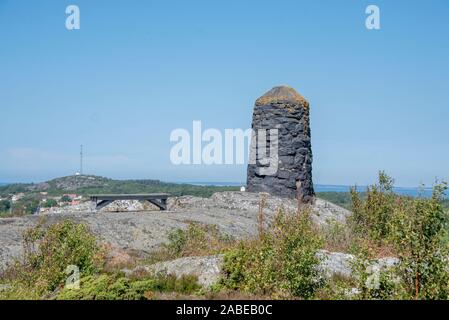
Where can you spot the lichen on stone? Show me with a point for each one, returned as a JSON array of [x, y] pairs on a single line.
[[282, 94]]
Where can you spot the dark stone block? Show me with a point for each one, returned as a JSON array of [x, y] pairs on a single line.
[[283, 174], [286, 160], [286, 151]]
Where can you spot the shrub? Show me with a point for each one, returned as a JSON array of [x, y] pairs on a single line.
[[49, 203], [338, 236], [282, 262], [198, 239], [373, 214], [372, 280], [48, 252], [420, 236], [66, 198], [417, 228], [115, 287], [5, 205]]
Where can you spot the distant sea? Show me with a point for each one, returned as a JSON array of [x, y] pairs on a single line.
[[215, 184], [427, 192]]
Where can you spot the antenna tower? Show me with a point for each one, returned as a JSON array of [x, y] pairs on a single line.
[[81, 160]]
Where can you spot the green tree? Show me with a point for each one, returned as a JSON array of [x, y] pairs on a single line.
[[5, 205], [66, 198], [49, 203]]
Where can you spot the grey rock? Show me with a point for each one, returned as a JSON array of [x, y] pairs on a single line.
[[4, 287], [337, 263], [141, 232], [207, 268]]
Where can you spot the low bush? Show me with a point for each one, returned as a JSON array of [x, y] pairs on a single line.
[[196, 240], [116, 287], [281, 263], [372, 214], [337, 236], [417, 229], [47, 254]]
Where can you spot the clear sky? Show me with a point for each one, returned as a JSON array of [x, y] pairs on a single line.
[[136, 70]]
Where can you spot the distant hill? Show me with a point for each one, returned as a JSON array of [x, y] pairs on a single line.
[[89, 184]]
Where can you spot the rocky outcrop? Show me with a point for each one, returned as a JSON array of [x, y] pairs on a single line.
[[116, 206], [11, 230], [338, 263], [207, 269], [70, 183], [245, 203], [79, 181], [286, 111], [141, 232]]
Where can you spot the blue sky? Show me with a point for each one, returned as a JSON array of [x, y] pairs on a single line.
[[136, 70]]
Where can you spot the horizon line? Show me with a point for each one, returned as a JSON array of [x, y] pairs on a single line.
[[219, 183]]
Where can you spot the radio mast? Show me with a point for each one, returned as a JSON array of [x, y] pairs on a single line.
[[81, 160]]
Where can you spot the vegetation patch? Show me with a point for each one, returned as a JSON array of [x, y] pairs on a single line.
[[196, 240], [282, 262], [116, 287], [417, 230], [47, 254]]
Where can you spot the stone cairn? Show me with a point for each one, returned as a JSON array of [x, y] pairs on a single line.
[[284, 109]]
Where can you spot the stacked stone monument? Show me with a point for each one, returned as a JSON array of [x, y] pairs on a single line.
[[284, 109]]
